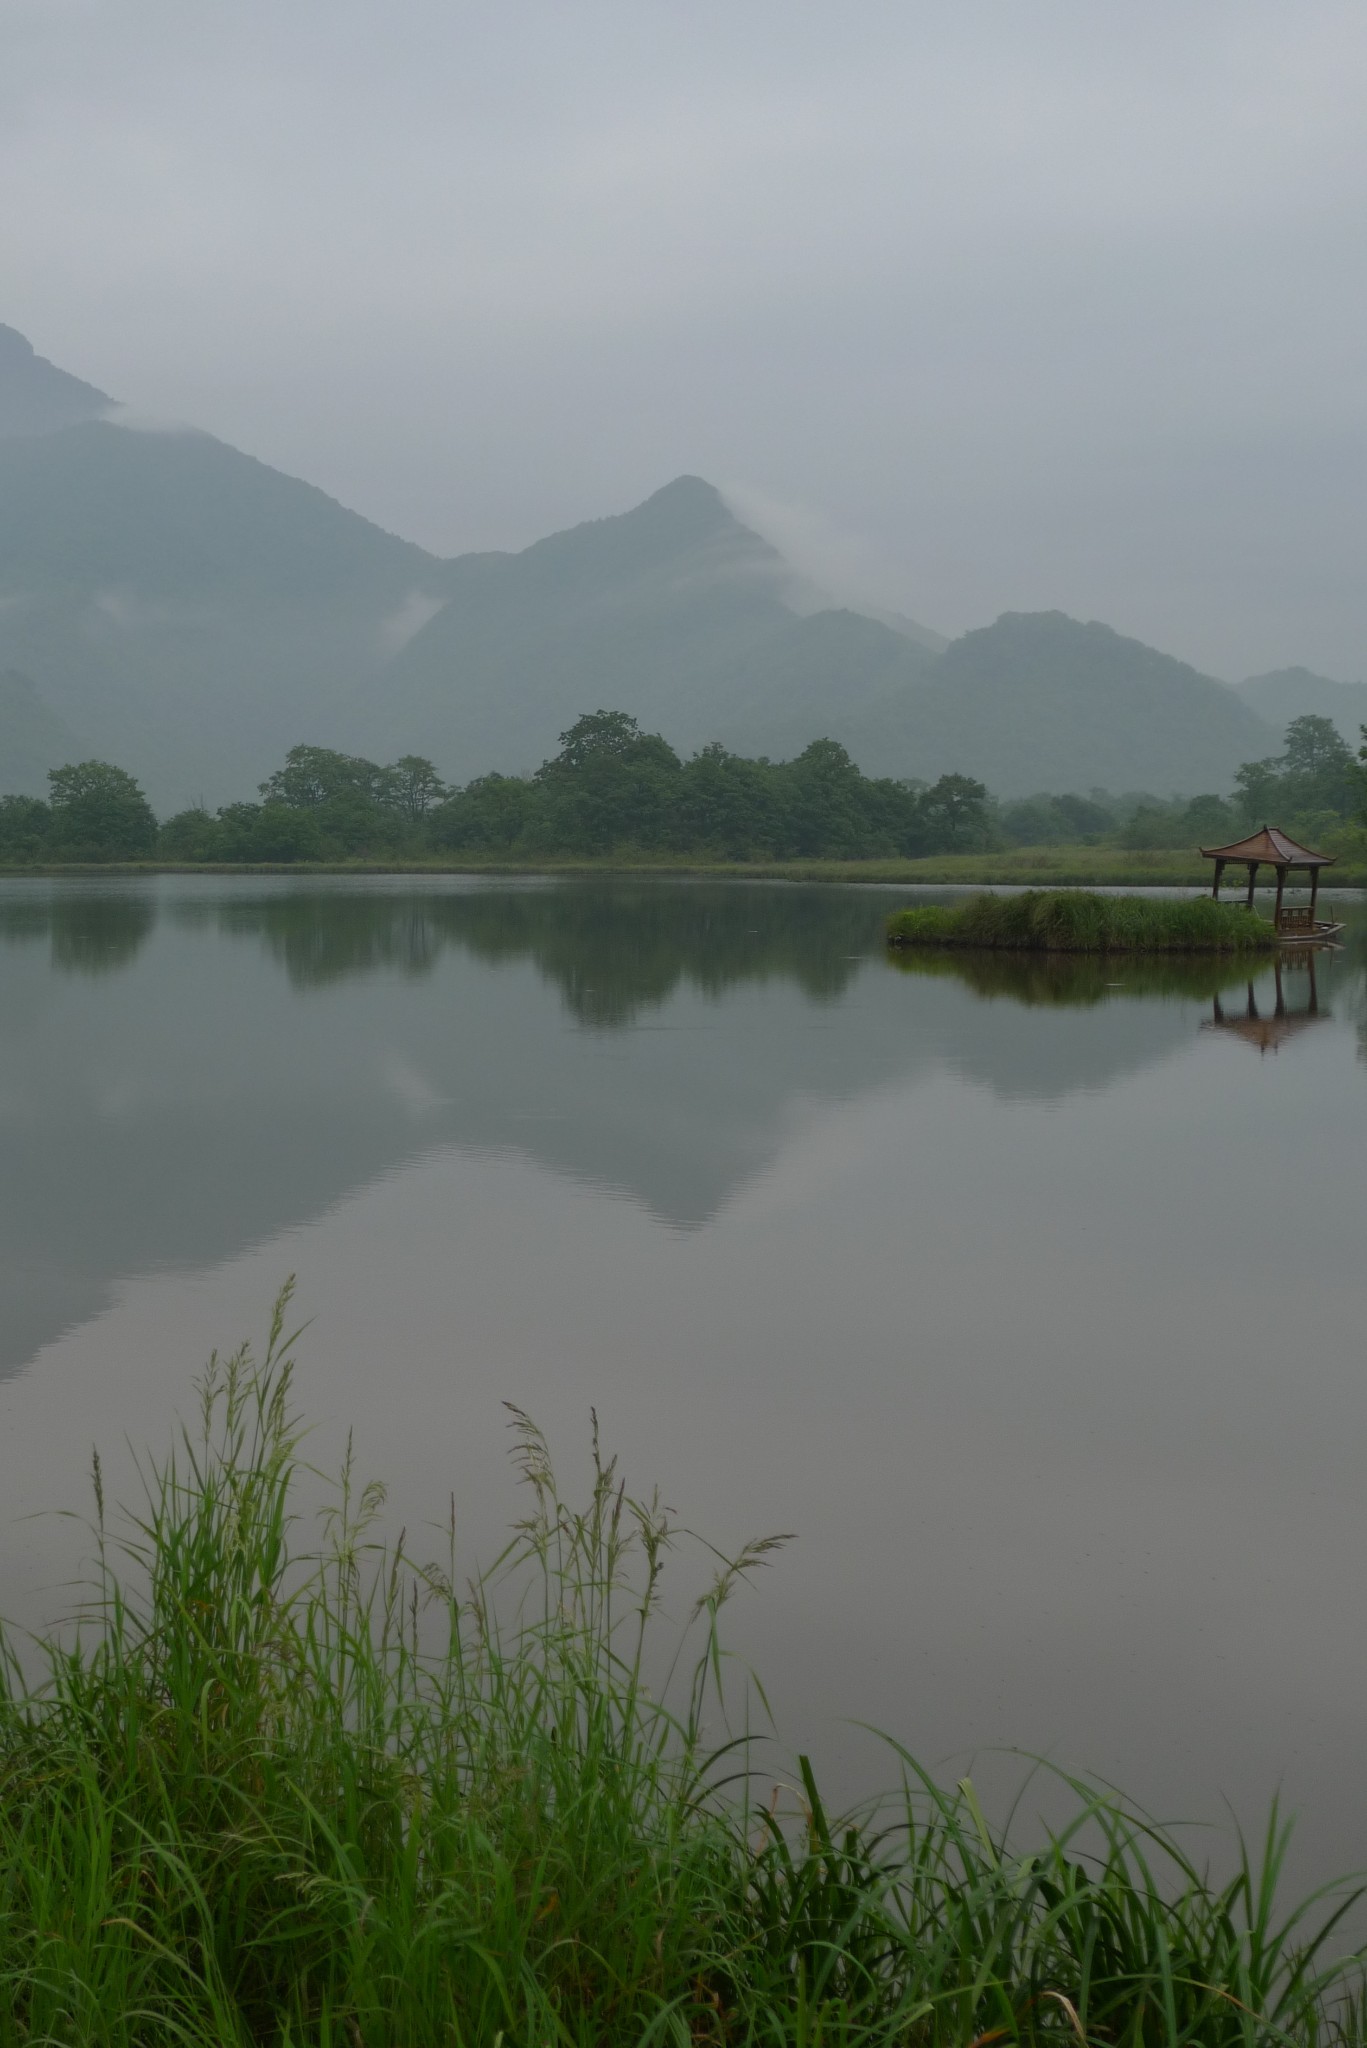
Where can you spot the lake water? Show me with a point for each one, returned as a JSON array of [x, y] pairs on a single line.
[[1032, 1303]]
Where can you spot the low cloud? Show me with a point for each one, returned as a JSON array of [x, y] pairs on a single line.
[[830, 566], [401, 625], [123, 608], [139, 422]]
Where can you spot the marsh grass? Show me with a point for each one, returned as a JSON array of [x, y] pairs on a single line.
[[1078, 921], [270, 1792]]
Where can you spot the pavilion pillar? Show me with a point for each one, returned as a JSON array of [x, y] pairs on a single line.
[[1219, 873], [1314, 894], [1252, 878], [1281, 891]]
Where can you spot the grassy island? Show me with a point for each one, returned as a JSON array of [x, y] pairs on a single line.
[[339, 1796], [1076, 921]]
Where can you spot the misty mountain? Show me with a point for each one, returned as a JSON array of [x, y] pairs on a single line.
[[850, 676], [675, 612], [679, 614], [1039, 693], [1286, 693], [191, 613], [1036, 701], [188, 610], [35, 396]]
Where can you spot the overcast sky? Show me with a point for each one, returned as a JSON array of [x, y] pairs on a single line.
[[976, 304]]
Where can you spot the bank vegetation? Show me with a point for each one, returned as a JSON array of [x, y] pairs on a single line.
[[280, 1790], [1078, 921]]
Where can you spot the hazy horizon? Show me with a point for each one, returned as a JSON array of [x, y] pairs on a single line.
[[968, 310]]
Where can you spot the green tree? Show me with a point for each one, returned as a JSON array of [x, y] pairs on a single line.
[[270, 832], [1314, 782], [191, 835], [490, 813], [1208, 821], [412, 787], [1315, 749], [347, 797], [610, 785], [313, 776], [1318, 769], [1257, 788], [1085, 818], [100, 813], [956, 809], [597, 736], [728, 805], [25, 829], [825, 811]]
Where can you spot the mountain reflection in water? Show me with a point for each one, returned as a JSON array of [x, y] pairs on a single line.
[[193, 1066]]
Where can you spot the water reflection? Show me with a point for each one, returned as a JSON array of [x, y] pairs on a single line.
[[611, 949], [1070, 980], [1269, 1028], [96, 933], [283, 1045]]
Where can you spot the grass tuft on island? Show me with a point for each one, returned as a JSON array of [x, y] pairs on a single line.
[[334, 1796], [1077, 921]]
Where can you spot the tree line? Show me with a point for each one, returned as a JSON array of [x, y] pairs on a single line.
[[612, 788], [1315, 787]]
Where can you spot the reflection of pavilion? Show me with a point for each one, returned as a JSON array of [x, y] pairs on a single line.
[[1270, 1031]]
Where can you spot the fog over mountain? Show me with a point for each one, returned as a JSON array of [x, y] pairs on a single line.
[[172, 604], [989, 308], [1287, 693]]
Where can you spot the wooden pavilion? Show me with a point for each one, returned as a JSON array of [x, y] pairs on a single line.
[[1271, 848]]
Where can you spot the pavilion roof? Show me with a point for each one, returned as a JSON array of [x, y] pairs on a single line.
[[1271, 845]]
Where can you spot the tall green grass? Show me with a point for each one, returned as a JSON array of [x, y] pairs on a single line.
[[271, 1791], [1078, 921]]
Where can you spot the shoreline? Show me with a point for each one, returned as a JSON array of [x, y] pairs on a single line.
[[1031, 869]]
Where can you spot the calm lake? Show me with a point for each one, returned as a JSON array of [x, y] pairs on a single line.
[[1030, 1298]]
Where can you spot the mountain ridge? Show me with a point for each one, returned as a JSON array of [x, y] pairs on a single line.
[[35, 396], [192, 612], [1286, 693]]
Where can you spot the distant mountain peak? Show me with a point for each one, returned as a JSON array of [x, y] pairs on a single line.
[[14, 346], [689, 490], [1286, 693], [671, 532], [35, 396], [688, 510]]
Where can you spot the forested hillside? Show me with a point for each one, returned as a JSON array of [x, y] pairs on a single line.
[[187, 609]]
